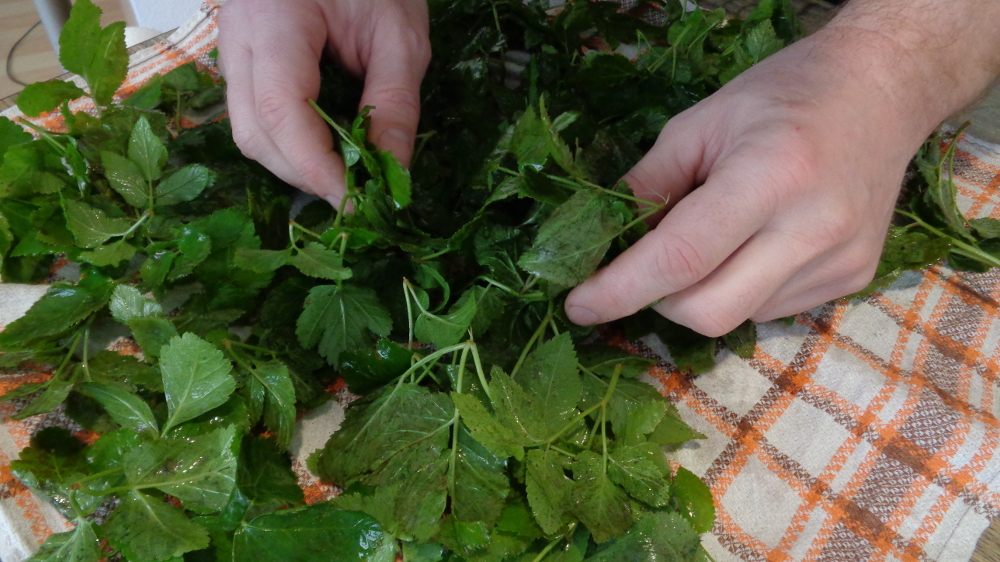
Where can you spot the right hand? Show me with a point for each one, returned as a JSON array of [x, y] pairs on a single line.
[[269, 52]]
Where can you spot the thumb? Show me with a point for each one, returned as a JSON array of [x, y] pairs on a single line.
[[393, 75]]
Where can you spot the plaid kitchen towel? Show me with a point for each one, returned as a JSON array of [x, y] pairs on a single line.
[[866, 431]]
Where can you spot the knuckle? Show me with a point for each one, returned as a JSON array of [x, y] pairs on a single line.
[[709, 318], [272, 111], [402, 100], [248, 142], [680, 261]]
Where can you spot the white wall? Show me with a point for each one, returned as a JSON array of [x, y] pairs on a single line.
[[163, 15]]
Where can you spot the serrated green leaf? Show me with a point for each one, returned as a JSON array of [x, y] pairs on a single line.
[[317, 261], [261, 261], [92, 227], [481, 487], [127, 409], [397, 177], [11, 134], [367, 370], [643, 471], [270, 393], [550, 377], [196, 378], [127, 303], [200, 469], [146, 528], [485, 428], [549, 490], [340, 318], [762, 42], [78, 545], [642, 420], [448, 329], [109, 254], [694, 500], [516, 411], [99, 55], [152, 333], [52, 397], [184, 184], [299, 534], [126, 178], [61, 307], [147, 150], [40, 97], [597, 502], [657, 536], [572, 242]]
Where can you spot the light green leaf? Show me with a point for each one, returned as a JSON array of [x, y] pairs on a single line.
[[146, 528], [317, 261], [146, 150], [485, 428], [152, 333], [643, 471], [694, 500], [480, 483], [271, 393], [261, 261], [597, 502], [184, 184], [762, 42], [199, 469], [516, 411], [109, 254], [127, 303], [550, 376], [126, 178], [40, 97], [61, 307], [448, 329], [572, 242], [127, 409], [11, 134], [341, 319], [196, 378], [78, 545], [92, 227], [548, 489], [99, 55], [397, 177], [657, 536]]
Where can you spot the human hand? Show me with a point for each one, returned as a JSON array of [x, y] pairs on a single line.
[[269, 52], [797, 164]]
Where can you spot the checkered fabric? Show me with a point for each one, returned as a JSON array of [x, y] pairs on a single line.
[[866, 431]]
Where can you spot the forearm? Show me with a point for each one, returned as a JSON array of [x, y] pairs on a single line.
[[935, 57]]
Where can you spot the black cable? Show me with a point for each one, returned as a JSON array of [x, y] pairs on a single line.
[[10, 55]]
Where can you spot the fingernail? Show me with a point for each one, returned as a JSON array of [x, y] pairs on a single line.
[[582, 316]]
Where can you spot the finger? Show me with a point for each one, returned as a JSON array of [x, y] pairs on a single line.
[[672, 167], [738, 288], [689, 243], [285, 76], [396, 66]]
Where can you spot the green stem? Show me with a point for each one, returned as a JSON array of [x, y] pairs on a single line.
[[305, 230], [141, 220], [69, 355], [545, 552], [583, 415], [228, 342], [480, 371], [341, 210], [604, 437], [563, 452], [456, 425], [534, 337], [409, 313], [968, 251], [74, 504]]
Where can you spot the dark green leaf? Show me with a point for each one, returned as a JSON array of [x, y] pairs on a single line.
[[397, 177], [183, 185], [485, 428], [261, 261], [62, 306], [264, 473], [152, 333], [694, 500], [365, 371], [597, 502], [271, 393], [448, 329], [549, 490], [551, 380], [127, 409], [657, 536], [297, 535], [78, 545], [11, 134], [147, 150], [109, 254], [643, 471], [340, 319], [480, 483], [145, 528], [317, 261], [743, 340], [91, 226], [40, 97]]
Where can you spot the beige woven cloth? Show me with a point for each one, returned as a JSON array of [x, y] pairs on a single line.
[[867, 431]]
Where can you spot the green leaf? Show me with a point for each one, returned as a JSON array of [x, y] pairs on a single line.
[[271, 393], [146, 150], [51, 398], [184, 184], [549, 490], [127, 409], [672, 431], [743, 339], [572, 242], [986, 227], [340, 319], [643, 471], [92, 227], [126, 178], [109, 254], [397, 177], [694, 500], [298, 535], [40, 97], [316, 261], [597, 502], [11, 134], [61, 307], [480, 483], [550, 377], [516, 411], [448, 329], [152, 333], [657, 536], [261, 261], [127, 303], [264, 473], [195, 247], [485, 428], [146, 528], [196, 378], [367, 370], [200, 469], [692, 352], [603, 359], [78, 545], [762, 42], [98, 55]]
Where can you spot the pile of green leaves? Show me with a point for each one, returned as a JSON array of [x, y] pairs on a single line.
[[489, 427]]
